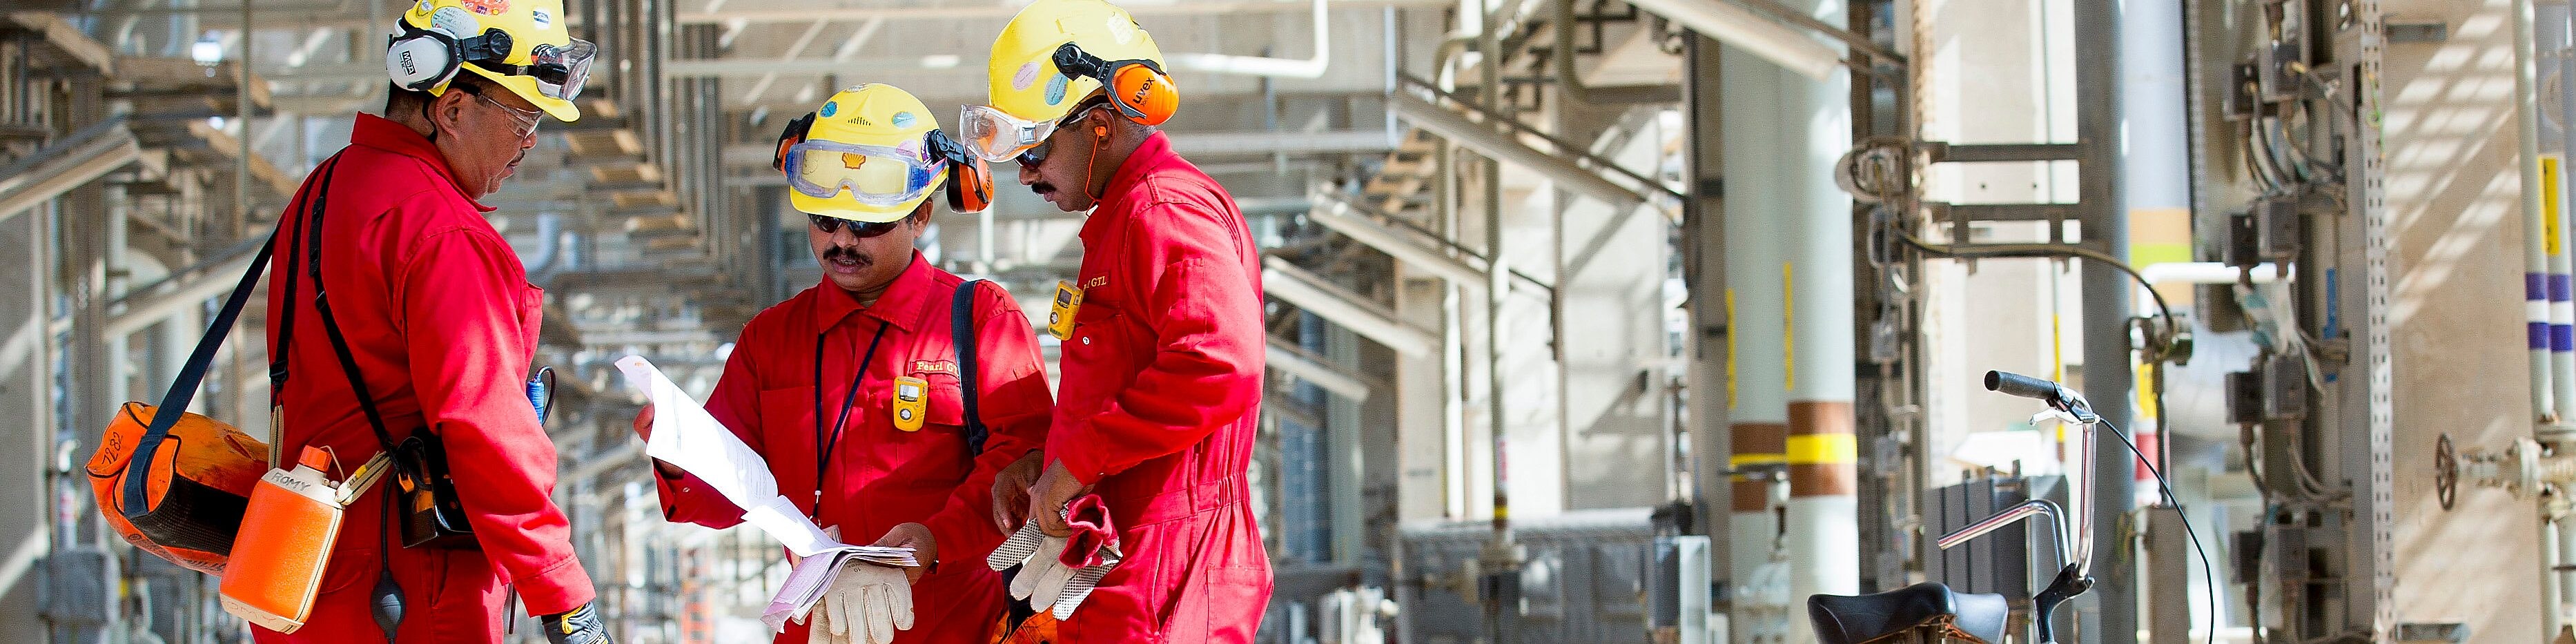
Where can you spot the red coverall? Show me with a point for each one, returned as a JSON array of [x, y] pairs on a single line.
[[443, 323], [1161, 378], [880, 476]]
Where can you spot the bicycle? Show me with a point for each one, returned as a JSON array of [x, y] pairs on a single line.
[[1932, 613]]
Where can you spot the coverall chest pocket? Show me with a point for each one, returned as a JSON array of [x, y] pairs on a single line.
[[947, 403], [532, 312], [1097, 360]]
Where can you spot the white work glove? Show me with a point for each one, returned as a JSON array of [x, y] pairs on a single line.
[[866, 604], [1044, 580]]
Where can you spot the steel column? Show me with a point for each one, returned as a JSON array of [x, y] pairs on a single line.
[[2109, 613]]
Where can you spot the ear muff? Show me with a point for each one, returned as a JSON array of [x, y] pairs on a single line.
[[1140, 89], [788, 138], [423, 59], [970, 181]]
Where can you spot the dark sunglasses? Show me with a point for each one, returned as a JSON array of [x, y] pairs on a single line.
[[830, 225]]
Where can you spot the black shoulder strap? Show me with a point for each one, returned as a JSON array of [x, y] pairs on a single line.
[[330, 326], [183, 391], [961, 330]]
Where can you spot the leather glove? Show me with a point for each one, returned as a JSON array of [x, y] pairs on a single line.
[[577, 626], [866, 604]]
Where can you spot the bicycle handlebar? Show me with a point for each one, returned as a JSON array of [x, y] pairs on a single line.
[[2057, 396]]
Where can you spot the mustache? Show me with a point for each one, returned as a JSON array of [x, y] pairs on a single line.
[[838, 253]]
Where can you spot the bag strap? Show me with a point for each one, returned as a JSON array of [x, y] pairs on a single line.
[[174, 403], [961, 330], [331, 327], [192, 375]]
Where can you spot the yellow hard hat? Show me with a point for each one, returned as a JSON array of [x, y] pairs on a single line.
[[518, 44], [1030, 88], [872, 154]]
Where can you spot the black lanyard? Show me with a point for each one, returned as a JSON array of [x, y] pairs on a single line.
[[823, 459]]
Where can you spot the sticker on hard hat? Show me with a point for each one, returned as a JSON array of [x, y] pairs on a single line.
[[487, 7], [540, 17], [830, 108], [911, 402], [1027, 75], [1055, 88], [902, 120]]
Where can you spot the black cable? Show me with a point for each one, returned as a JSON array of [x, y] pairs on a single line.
[[2051, 250], [2165, 486]]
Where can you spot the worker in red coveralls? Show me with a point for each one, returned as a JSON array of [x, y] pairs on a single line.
[[440, 327], [1163, 358], [852, 389]]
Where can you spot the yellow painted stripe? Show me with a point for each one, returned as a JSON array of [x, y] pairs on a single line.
[[1823, 449], [1730, 349], [1740, 460], [1788, 330], [2550, 236]]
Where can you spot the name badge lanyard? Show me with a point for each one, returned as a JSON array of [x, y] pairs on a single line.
[[823, 459]]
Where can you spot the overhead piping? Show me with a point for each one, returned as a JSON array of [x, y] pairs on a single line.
[[1312, 67], [1750, 32], [1311, 293], [1449, 124]]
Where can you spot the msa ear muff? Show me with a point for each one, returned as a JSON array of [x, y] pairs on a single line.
[[1138, 88], [788, 138], [970, 181], [421, 59]]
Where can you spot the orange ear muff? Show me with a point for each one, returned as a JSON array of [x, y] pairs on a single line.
[[1142, 92], [788, 138], [970, 181], [970, 187], [1139, 88]]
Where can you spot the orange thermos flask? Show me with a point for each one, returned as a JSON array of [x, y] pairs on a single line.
[[286, 534]]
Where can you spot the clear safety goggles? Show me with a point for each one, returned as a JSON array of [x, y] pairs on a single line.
[[560, 71], [996, 136], [873, 174]]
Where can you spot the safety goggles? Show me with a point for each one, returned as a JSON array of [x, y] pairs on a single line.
[[873, 174], [1036, 153], [864, 230], [996, 136], [523, 122], [560, 71]]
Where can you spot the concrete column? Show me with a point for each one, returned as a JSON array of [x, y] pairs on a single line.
[[1704, 238], [1789, 295]]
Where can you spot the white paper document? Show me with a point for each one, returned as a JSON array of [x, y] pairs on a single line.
[[685, 436]]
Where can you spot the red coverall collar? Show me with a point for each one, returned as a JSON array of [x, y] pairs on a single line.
[[1152, 155], [900, 305], [384, 134]]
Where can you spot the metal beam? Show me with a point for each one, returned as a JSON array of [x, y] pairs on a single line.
[[48, 173], [1307, 291], [185, 290], [1294, 361], [1451, 125], [1334, 213]]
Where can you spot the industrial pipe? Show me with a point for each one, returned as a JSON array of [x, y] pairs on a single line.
[[1336, 214], [1451, 125], [2538, 288], [84, 157], [1307, 291], [1752, 33], [1312, 67]]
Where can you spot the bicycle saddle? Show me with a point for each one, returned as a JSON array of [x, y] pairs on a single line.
[[1843, 619]]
